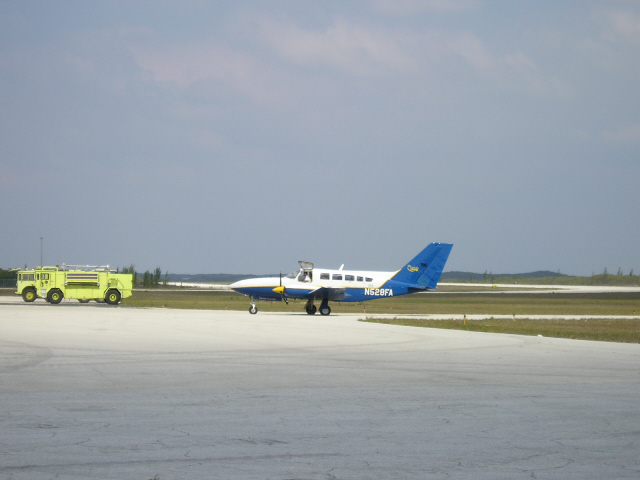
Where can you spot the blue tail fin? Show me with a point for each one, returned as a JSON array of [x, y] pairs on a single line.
[[425, 269]]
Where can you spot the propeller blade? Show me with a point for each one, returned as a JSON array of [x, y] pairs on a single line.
[[281, 290]]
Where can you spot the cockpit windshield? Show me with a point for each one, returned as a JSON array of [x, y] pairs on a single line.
[[293, 274]]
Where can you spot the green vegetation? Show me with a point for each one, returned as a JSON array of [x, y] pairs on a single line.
[[603, 279], [8, 274], [190, 299], [608, 330], [8, 278], [149, 279], [132, 270], [510, 303]]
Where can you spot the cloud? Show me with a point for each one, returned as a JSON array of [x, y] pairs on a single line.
[[372, 51], [352, 48], [622, 26], [187, 64], [472, 49]]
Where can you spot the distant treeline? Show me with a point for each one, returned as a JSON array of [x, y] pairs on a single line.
[[544, 277], [7, 274], [213, 277], [487, 276]]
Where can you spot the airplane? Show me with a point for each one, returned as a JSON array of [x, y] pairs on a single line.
[[421, 274]]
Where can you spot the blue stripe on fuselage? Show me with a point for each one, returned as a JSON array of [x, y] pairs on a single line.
[[267, 292]]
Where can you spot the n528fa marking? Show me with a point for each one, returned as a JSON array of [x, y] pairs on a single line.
[[379, 292]]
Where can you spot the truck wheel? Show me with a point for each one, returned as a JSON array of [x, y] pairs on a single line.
[[55, 296], [29, 295], [113, 297], [83, 300]]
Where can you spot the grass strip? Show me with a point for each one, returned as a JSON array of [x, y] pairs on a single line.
[[599, 329]]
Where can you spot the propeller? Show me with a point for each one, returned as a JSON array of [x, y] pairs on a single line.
[[281, 289]]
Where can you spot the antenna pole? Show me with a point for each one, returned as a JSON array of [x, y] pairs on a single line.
[[41, 251]]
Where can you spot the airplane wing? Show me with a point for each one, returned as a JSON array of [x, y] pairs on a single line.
[[333, 294]]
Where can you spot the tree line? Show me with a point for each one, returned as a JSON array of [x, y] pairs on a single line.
[[147, 279]]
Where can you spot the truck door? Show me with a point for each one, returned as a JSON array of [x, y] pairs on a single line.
[[42, 280]]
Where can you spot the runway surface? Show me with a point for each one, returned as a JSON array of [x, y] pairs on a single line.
[[93, 391]]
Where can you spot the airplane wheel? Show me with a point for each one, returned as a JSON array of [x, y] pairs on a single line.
[[311, 309], [325, 310], [29, 295], [55, 296], [253, 309]]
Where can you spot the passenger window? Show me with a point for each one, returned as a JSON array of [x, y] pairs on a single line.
[[324, 276], [337, 277], [360, 279], [368, 279], [349, 278]]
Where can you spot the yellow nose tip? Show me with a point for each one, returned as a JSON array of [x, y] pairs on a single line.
[[279, 290]]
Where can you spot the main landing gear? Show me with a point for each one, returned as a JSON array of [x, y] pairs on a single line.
[[310, 308], [325, 309]]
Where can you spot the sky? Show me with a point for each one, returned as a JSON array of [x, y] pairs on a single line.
[[243, 136]]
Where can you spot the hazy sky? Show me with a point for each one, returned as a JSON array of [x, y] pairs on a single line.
[[243, 136]]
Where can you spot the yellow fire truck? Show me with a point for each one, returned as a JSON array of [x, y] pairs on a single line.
[[72, 281]]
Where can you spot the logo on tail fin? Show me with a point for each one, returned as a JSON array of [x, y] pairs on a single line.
[[412, 269]]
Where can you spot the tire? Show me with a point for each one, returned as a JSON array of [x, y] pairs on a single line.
[[55, 296], [113, 297], [83, 300], [253, 309], [29, 295], [325, 310], [311, 309]]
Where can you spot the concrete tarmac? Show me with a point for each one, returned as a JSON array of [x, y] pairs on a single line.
[[94, 391]]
